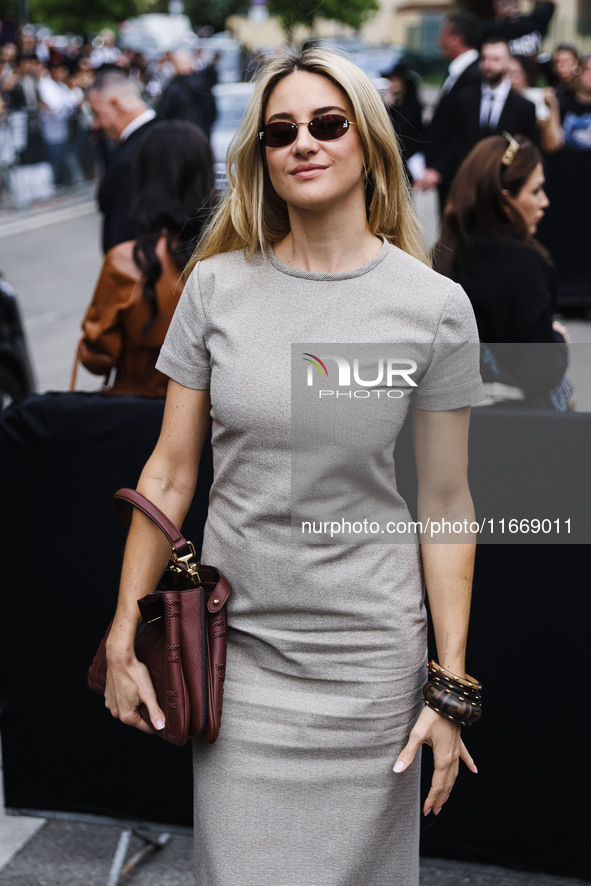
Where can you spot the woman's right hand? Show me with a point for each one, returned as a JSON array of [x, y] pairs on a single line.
[[168, 479], [128, 685]]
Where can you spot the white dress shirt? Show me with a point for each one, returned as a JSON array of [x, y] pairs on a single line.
[[145, 117], [457, 67], [492, 103]]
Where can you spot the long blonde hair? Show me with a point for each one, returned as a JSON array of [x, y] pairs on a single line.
[[252, 215]]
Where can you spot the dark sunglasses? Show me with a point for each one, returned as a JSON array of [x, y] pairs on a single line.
[[324, 128]]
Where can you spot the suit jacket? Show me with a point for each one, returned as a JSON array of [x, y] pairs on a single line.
[[439, 130], [116, 190], [517, 117]]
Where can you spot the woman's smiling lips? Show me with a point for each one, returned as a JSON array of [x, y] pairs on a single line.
[[307, 170]]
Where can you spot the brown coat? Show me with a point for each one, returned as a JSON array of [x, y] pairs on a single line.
[[112, 328]]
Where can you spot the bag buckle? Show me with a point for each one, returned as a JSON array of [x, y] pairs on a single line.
[[186, 559]]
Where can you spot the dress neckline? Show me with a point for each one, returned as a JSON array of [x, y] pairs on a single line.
[[321, 275]]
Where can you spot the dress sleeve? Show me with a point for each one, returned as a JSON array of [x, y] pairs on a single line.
[[184, 356], [452, 378]]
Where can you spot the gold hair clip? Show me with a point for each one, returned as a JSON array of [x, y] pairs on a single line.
[[511, 152]]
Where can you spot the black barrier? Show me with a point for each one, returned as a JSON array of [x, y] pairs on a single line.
[[61, 458], [527, 807], [529, 476]]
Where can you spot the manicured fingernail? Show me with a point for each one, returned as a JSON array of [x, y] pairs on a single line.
[[475, 770], [427, 812], [399, 766], [159, 724], [437, 811]]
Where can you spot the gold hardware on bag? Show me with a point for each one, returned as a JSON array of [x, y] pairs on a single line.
[[186, 559]]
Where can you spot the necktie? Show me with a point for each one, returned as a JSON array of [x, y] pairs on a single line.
[[487, 111], [491, 108]]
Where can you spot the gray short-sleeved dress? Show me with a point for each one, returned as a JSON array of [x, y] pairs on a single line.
[[327, 643]]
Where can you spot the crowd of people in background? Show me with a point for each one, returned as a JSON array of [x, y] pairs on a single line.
[[491, 88], [499, 84], [83, 110], [45, 115]]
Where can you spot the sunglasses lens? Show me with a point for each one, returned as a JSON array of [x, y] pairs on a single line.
[[279, 134], [325, 128], [328, 127]]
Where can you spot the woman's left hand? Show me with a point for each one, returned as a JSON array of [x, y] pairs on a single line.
[[443, 736]]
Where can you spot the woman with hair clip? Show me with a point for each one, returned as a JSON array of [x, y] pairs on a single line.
[[315, 775], [488, 246], [140, 281]]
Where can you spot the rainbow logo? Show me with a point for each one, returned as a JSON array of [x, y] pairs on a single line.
[[317, 362]]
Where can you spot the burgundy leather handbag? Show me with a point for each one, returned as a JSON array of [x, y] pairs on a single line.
[[181, 638]]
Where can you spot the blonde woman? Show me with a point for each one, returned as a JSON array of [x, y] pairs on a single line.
[[315, 776]]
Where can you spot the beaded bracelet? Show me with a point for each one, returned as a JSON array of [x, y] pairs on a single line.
[[457, 698]]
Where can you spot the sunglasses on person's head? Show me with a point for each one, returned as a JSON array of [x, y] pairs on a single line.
[[324, 128]]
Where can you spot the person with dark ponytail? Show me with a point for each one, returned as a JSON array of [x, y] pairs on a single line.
[[141, 280], [488, 246]]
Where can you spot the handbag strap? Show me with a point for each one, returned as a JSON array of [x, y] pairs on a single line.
[[183, 549], [178, 542]]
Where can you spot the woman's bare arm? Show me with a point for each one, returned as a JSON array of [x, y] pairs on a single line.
[[441, 452], [168, 480]]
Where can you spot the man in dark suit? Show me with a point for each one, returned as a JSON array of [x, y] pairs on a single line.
[[484, 109], [491, 108], [458, 39], [120, 112]]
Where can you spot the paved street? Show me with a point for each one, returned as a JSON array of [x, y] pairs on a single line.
[[53, 258], [71, 854]]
